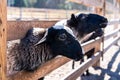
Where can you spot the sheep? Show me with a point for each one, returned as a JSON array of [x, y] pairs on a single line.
[[38, 47], [86, 27], [89, 25], [83, 24]]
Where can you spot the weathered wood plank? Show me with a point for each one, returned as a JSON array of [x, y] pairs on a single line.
[[42, 71], [83, 67], [17, 29], [100, 11], [3, 26], [107, 36], [114, 22], [113, 42], [91, 44]]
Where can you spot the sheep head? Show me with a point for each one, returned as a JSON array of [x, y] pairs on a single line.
[[86, 23], [62, 42]]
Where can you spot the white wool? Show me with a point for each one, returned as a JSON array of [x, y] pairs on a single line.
[[36, 30], [64, 27], [69, 30], [62, 22]]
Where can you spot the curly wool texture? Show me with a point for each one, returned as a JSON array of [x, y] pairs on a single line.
[[21, 52]]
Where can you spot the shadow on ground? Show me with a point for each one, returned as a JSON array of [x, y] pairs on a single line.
[[113, 75]]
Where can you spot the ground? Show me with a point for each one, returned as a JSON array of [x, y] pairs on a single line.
[[109, 68]]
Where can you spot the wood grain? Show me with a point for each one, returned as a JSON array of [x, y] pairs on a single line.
[[3, 26]]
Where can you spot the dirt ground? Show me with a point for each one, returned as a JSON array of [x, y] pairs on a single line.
[[109, 68]]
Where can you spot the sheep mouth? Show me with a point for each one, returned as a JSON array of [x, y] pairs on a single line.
[[103, 25], [78, 59]]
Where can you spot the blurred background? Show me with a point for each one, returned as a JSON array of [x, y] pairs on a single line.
[[47, 9]]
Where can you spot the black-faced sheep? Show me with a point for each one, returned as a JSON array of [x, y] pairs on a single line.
[[89, 25], [36, 48], [86, 27], [83, 24]]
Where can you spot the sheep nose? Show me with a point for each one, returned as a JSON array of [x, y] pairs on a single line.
[[105, 20]]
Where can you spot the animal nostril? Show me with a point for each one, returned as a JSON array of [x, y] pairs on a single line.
[[105, 19]]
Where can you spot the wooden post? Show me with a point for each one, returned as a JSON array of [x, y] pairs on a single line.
[[3, 26], [100, 11]]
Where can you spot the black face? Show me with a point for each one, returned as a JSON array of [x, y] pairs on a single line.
[[63, 43], [86, 23]]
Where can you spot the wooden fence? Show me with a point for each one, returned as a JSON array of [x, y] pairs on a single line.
[[84, 66], [17, 31], [53, 64]]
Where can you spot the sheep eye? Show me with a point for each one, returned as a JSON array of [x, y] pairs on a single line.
[[62, 37]]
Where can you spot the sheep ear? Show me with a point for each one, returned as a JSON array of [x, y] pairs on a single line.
[[73, 17], [72, 22], [43, 39]]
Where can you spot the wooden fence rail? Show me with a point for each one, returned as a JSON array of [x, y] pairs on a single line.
[[83, 67], [18, 29], [107, 36]]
